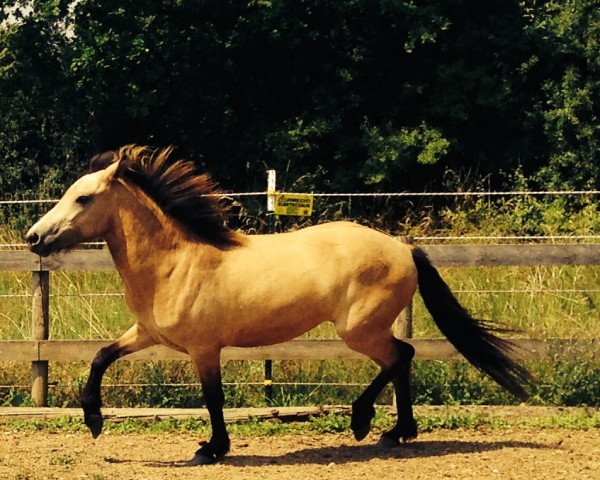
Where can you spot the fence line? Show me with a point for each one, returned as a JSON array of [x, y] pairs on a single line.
[[198, 384], [25, 245], [40, 351], [300, 349], [15, 246], [370, 194], [55, 200], [60, 295], [388, 195], [507, 237], [460, 194], [441, 255], [459, 291]]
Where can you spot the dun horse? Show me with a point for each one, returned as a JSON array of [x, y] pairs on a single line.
[[197, 286]]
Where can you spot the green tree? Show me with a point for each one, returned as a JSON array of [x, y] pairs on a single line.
[[570, 31], [344, 95], [33, 141]]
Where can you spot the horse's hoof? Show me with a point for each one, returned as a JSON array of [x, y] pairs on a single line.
[[387, 442], [410, 432], [94, 422], [362, 431], [361, 421], [201, 459]]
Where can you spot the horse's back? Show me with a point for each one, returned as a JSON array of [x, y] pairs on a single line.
[[355, 242], [336, 255]]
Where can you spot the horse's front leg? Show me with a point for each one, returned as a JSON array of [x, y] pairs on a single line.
[[131, 341], [208, 367]]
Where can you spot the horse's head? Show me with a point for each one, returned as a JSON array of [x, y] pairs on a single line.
[[82, 214]]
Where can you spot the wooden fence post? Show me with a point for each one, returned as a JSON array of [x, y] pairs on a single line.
[[403, 326], [39, 331], [271, 189]]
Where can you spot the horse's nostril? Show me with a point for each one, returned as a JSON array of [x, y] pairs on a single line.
[[33, 239]]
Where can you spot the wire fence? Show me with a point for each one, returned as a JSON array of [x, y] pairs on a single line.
[[199, 385], [567, 293], [420, 238], [506, 193], [429, 238], [458, 291]]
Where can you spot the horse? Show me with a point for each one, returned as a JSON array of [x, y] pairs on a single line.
[[197, 286]]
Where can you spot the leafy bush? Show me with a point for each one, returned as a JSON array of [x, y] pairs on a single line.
[[384, 95]]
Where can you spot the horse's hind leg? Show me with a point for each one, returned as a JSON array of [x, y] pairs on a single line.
[[394, 356], [406, 427], [363, 409]]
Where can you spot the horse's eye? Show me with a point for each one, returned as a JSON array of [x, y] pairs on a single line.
[[83, 199]]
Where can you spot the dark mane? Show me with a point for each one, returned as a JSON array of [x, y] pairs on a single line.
[[189, 197]]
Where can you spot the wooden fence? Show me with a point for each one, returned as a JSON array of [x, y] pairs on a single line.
[[40, 350]]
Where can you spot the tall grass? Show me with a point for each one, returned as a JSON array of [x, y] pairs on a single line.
[[538, 302]]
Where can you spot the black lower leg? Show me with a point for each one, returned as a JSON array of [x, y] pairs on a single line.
[[90, 398], [363, 409], [405, 427], [218, 445]]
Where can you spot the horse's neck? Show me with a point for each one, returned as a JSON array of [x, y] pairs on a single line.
[[142, 236]]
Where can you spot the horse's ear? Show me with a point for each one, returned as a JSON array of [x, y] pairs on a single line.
[[121, 167], [102, 161], [117, 169]]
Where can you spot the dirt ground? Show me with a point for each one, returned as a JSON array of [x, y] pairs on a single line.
[[511, 453]]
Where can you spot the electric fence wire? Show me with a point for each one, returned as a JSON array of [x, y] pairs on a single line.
[[369, 194]]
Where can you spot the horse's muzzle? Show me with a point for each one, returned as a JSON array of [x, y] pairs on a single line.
[[37, 244]]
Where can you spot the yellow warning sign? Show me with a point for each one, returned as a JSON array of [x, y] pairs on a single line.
[[293, 204]]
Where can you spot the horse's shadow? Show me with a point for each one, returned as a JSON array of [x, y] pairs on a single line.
[[354, 453]]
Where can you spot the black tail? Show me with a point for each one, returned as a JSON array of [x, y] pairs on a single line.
[[472, 338]]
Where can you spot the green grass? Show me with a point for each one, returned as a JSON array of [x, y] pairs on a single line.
[[447, 419], [538, 302], [433, 383]]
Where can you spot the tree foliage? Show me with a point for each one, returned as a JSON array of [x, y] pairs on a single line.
[[335, 95]]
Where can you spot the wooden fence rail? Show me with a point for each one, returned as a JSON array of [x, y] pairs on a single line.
[[441, 255], [40, 351], [301, 349]]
